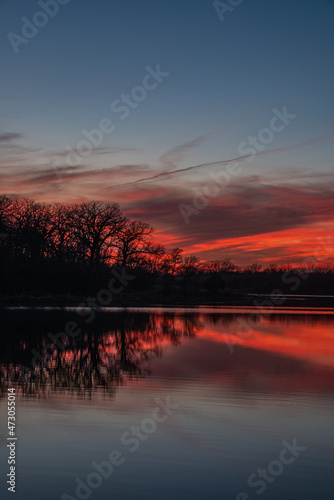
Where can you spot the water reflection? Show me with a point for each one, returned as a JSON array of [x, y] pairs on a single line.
[[116, 348], [281, 353]]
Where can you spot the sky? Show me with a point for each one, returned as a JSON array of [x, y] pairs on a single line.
[[212, 121]]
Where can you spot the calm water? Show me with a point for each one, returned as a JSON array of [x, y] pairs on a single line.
[[241, 389]]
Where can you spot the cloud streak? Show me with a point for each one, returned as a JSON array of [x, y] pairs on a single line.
[[176, 154], [9, 137], [168, 173]]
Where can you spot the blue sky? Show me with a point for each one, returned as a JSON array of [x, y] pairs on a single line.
[[225, 78]]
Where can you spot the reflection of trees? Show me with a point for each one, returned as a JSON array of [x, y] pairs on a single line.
[[119, 349]]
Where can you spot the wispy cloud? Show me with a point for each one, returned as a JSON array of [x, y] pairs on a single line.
[[9, 137], [175, 155], [96, 151], [168, 173]]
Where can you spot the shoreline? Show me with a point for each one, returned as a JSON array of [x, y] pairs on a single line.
[[254, 301]]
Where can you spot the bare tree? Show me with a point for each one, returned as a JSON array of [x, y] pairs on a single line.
[[172, 261], [62, 245], [95, 226], [133, 242], [30, 225]]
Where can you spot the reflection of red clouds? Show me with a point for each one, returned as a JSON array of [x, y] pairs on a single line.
[[282, 356], [311, 342], [304, 344], [309, 337]]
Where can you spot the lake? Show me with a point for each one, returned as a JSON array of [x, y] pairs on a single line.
[[186, 403]]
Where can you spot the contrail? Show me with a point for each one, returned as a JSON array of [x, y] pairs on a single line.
[[176, 171], [308, 142]]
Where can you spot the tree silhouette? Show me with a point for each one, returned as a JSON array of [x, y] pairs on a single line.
[[119, 349], [95, 227]]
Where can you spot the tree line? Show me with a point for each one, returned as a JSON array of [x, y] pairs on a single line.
[[71, 248], [61, 247], [91, 233]]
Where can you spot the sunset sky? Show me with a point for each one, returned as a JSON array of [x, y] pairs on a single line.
[[237, 105]]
